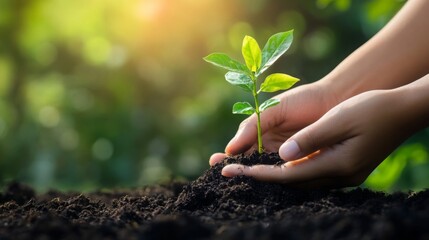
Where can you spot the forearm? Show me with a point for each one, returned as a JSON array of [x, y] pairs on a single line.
[[397, 55]]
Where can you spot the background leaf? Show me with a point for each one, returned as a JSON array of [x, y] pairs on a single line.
[[251, 53], [278, 81], [224, 61], [243, 108], [275, 47], [241, 80], [269, 103]]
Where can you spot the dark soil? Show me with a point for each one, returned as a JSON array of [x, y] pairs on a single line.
[[214, 207]]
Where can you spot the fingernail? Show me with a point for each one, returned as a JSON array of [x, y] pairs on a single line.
[[289, 150], [230, 143], [232, 170]]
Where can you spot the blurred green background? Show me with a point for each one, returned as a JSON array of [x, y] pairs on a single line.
[[105, 93]]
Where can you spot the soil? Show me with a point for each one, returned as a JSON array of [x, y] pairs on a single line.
[[214, 207]]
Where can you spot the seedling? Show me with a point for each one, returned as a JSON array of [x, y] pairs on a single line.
[[246, 75]]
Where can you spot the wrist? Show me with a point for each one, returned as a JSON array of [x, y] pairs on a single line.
[[415, 99], [331, 92], [345, 82]]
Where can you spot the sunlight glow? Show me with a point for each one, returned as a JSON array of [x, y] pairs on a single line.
[[150, 9]]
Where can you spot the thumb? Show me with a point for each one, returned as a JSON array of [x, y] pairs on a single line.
[[247, 133], [332, 128], [245, 137]]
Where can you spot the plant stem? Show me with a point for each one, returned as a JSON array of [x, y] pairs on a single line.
[[260, 148], [258, 114]]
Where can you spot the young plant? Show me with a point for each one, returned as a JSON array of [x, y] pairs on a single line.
[[246, 75]]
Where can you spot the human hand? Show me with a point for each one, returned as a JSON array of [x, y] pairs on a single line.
[[341, 148], [298, 108]]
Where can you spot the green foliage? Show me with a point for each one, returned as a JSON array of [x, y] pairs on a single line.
[[268, 103], [110, 94], [251, 53], [278, 81], [276, 46], [224, 61], [243, 108], [241, 80], [341, 5], [406, 168], [256, 62]]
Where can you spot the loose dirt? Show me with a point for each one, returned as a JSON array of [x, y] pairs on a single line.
[[214, 207]]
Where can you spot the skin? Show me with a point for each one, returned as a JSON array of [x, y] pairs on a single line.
[[334, 132]]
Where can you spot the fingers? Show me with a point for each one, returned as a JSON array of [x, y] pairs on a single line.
[[301, 170], [277, 174], [328, 130], [216, 158], [270, 173], [245, 137], [303, 147], [326, 168], [247, 133]]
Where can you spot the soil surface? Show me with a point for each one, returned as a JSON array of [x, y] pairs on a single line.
[[214, 207]]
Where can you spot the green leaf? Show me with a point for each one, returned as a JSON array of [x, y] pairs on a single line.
[[275, 47], [243, 108], [269, 103], [251, 53], [278, 81], [224, 61], [241, 80]]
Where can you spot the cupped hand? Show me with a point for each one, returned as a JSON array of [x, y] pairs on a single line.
[[342, 147], [298, 108]]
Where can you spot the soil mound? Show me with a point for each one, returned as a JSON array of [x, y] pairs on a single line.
[[214, 207]]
